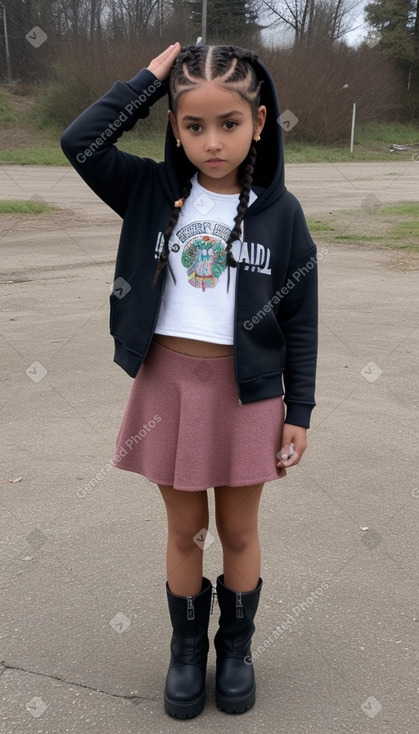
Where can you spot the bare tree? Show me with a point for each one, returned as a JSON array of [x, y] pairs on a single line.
[[311, 20], [132, 20]]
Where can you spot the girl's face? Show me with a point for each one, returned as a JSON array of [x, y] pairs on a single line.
[[215, 126]]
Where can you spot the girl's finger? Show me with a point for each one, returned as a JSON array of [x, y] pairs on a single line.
[[172, 49], [294, 459], [161, 65]]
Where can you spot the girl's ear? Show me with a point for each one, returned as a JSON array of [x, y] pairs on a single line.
[[260, 120], [173, 123]]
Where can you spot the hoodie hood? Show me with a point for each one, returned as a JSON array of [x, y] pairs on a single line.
[[269, 167]]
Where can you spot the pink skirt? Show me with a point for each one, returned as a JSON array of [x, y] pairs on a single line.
[[183, 426]]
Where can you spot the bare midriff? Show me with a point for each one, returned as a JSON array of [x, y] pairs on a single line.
[[194, 347]]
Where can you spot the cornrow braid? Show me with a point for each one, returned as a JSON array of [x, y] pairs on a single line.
[[230, 65], [164, 255], [246, 180]]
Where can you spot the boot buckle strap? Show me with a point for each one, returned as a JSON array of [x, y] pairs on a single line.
[[190, 609], [239, 605]]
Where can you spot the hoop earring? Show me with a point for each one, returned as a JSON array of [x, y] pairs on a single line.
[[178, 143]]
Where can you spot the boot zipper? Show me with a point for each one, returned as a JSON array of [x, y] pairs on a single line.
[[239, 605], [190, 609]]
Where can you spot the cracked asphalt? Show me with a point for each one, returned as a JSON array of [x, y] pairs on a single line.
[[84, 631]]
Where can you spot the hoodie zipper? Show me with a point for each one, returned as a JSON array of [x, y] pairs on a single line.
[[235, 326]]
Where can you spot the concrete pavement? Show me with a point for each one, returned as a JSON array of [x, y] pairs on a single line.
[[84, 631]]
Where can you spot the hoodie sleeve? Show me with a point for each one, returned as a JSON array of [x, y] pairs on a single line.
[[298, 317], [89, 142]]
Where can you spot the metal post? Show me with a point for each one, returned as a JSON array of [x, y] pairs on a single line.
[[204, 21], [353, 127], [6, 44]]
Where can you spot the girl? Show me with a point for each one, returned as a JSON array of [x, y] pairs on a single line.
[[214, 313]]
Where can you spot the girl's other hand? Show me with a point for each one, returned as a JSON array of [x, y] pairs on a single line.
[[296, 435], [162, 64]]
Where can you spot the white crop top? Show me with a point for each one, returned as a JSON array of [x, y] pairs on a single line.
[[198, 305]]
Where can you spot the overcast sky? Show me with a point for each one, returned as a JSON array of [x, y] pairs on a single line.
[[356, 36]]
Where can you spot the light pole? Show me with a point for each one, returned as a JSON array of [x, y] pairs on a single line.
[[6, 44], [353, 127], [204, 22]]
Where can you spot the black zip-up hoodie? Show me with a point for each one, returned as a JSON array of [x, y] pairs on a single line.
[[275, 330]]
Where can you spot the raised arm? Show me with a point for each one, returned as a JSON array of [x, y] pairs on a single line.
[[89, 142]]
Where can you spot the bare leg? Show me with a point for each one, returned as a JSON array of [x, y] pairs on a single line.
[[236, 512], [187, 514]]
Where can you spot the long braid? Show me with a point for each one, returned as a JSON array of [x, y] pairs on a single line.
[[164, 255], [236, 233], [246, 180]]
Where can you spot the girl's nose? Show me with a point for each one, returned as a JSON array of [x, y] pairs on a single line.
[[213, 143]]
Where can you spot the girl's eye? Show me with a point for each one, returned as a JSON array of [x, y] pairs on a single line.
[[195, 128], [230, 125]]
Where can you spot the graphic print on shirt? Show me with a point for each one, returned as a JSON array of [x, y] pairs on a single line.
[[203, 253]]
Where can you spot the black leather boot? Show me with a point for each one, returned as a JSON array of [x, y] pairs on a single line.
[[235, 677], [184, 693]]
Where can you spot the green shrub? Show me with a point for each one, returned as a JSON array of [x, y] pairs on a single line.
[[7, 116], [78, 79]]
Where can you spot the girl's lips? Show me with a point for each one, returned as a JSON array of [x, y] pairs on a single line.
[[214, 161]]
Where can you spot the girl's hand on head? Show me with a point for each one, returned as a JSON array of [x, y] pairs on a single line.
[[296, 435], [162, 64]]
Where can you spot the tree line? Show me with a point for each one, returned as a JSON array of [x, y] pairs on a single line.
[[88, 42]]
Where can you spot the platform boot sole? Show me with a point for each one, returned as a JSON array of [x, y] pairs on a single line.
[[184, 710], [236, 705]]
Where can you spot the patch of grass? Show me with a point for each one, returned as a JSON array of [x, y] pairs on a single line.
[[356, 238], [13, 206], [379, 134], [44, 155], [407, 208], [316, 225], [406, 231], [33, 134], [373, 141], [151, 146], [52, 155], [394, 226], [406, 226]]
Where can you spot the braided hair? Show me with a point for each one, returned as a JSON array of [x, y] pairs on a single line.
[[232, 67]]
